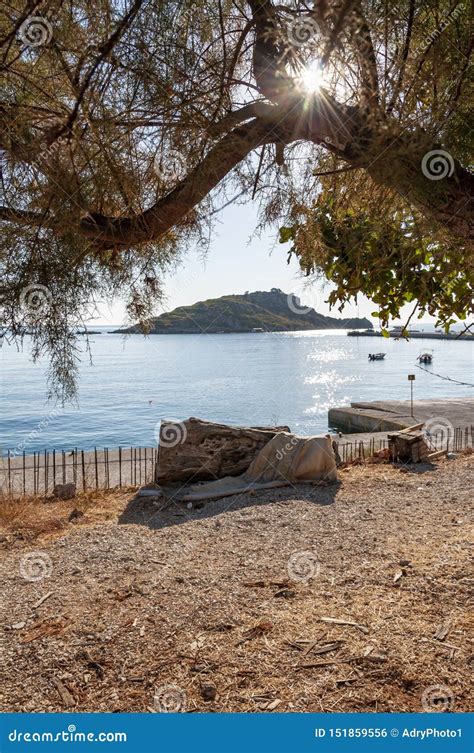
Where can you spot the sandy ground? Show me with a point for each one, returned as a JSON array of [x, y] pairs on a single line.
[[234, 606]]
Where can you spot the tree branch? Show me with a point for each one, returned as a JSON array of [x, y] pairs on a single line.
[[324, 119], [365, 51], [406, 50], [105, 49], [25, 217], [260, 110], [173, 207]]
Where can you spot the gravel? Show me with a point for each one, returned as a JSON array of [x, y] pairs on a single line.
[[302, 599]]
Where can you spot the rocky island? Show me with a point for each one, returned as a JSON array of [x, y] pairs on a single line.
[[261, 311]]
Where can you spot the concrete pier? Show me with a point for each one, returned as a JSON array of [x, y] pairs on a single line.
[[466, 337], [392, 415]]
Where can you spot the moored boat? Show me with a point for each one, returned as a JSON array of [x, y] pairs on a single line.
[[426, 357], [376, 356]]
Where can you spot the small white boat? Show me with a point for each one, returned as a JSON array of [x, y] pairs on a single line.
[[426, 357], [376, 356]]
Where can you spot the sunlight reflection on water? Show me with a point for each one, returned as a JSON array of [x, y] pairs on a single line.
[[288, 378], [331, 378]]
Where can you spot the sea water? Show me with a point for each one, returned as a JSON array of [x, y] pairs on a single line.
[[290, 378]]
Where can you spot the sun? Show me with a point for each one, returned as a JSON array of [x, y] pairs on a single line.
[[312, 77]]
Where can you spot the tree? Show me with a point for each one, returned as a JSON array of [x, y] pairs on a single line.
[[125, 125]]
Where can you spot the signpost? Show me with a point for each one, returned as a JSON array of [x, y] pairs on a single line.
[[411, 379]]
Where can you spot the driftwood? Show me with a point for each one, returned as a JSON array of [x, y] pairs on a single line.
[[196, 450]]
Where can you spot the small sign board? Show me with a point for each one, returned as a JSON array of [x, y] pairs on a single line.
[[411, 377]]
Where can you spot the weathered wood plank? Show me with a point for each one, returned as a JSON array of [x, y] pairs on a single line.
[[196, 450]]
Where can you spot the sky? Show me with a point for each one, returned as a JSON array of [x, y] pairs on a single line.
[[238, 261]]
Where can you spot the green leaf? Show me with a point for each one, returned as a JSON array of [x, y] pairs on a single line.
[[286, 234]]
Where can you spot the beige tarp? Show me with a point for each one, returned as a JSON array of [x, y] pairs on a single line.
[[284, 460]]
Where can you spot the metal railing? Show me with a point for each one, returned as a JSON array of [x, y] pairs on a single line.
[[449, 440], [101, 468]]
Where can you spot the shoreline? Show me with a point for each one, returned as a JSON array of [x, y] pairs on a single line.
[[358, 430], [252, 331]]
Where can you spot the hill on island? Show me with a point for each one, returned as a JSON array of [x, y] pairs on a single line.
[[270, 311]]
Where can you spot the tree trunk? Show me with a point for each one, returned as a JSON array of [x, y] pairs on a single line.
[[196, 450]]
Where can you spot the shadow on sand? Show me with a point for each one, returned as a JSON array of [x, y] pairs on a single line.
[[416, 467], [165, 509]]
